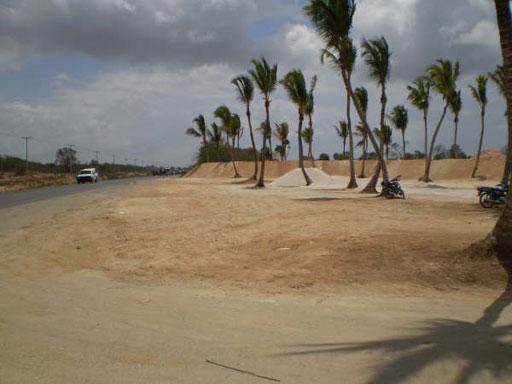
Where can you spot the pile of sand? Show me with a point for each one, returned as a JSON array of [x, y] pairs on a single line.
[[295, 178]]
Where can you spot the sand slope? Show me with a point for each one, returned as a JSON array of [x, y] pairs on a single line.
[[491, 168]]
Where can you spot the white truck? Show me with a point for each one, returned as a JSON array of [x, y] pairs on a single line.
[[88, 175]]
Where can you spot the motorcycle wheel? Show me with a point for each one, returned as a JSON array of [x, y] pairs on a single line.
[[388, 194], [486, 201], [401, 194]]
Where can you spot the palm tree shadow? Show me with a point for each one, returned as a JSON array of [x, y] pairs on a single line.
[[481, 346]]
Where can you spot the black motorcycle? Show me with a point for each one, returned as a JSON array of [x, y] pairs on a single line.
[[491, 196], [392, 189]]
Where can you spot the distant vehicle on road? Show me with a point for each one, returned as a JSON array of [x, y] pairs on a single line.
[[88, 175]]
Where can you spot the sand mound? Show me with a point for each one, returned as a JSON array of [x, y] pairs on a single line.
[[295, 178]]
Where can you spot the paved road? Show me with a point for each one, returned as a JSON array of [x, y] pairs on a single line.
[[12, 199]]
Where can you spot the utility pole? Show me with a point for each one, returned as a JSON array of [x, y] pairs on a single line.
[[97, 153], [113, 159], [26, 138]]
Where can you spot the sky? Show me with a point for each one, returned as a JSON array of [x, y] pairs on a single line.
[[127, 77]]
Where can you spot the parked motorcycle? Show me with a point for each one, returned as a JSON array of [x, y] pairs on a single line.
[[392, 189], [491, 196]]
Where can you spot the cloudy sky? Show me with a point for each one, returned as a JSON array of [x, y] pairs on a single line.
[[127, 77]]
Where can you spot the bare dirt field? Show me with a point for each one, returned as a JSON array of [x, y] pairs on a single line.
[[146, 283]]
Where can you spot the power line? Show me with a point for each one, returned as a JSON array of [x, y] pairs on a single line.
[[26, 138]]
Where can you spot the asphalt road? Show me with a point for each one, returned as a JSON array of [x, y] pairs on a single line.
[[12, 199]]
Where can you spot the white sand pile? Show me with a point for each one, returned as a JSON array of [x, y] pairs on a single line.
[[295, 178]]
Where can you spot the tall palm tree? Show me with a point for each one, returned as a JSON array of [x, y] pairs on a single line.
[[363, 143], [310, 109], [265, 77], [281, 133], [200, 130], [456, 106], [342, 131], [245, 92], [400, 118], [419, 97], [307, 136], [215, 136], [498, 77], [295, 85], [479, 92], [230, 124], [333, 21], [443, 77], [377, 56], [502, 232]]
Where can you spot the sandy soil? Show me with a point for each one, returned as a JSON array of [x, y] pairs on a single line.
[[146, 283], [277, 240]]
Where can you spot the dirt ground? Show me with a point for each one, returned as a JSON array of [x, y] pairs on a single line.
[[210, 281], [279, 240]]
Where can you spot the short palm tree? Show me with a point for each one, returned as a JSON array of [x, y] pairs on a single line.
[[456, 107], [479, 92], [230, 124], [363, 144], [342, 131], [443, 76], [377, 57], [215, 136], [281, 133], [295, 85], [310, 109], [200, 131], [361, 96], [387, 138], [419, 97], [333, 21], [265, 77], [400, 118], [245, 93]]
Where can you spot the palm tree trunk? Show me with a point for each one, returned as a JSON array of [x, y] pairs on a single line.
[[310, 144], [253, 143], [363, 165], [270, 142], [205, 148], [261, 179], [352, 184], [426, 177], [387, 152], [237, 175], [425, 121], [344, 148], [455, 134], [372, 185], [477, 163], [403, 143], [301, 151], [503, 231]]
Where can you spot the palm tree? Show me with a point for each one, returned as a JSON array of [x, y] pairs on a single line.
[[419, 97], [363, 143], [215, 136], [310, 109], [281, 133], [343, 132], [400, 118], [201, 130], [387, 138], [333, 21], [230, 124], [295, 85], [479, 92], [245, 90], [456, 106], [265, 78], [377, 56], [504, 226], [443, 77], [307, 136], [498, 77]]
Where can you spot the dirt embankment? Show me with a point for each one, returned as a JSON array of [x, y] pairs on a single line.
[[491, 168]]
